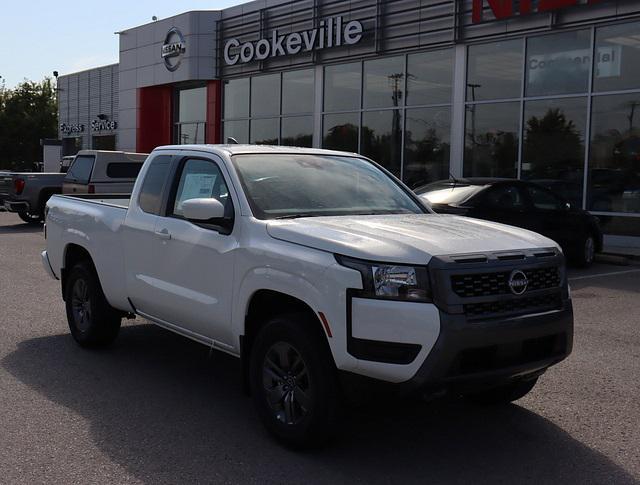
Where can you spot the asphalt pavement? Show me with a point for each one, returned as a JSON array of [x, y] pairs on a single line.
[[157, 408]]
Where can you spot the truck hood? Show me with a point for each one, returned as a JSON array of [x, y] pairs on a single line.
[[410, 238]]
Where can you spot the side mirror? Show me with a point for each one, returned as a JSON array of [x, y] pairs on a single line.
[[202, 209]]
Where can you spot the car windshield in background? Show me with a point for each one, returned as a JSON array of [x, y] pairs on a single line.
[[289, 186], [450, 193]]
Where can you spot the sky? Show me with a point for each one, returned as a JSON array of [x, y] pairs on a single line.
[[42, 37]]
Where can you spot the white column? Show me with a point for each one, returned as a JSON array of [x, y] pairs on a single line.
[[458, 110]]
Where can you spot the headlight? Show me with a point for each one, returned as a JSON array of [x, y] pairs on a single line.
[[391, 281]]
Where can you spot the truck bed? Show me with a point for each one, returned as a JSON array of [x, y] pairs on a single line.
[[113, 200], [93, 222]]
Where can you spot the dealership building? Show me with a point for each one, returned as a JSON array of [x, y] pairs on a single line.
[[544, 90]]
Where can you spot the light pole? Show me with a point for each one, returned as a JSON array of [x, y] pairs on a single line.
[[55, 75], [473, 110]]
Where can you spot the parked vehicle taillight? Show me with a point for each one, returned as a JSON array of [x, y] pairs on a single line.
[[18, 185], [92, 189]]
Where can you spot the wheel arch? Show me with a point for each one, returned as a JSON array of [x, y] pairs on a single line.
[[263, 305], [73, 254]]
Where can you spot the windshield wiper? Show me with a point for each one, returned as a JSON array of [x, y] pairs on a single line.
[[300, 214]]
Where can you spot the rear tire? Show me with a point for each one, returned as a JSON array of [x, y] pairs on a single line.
[[293, 382], [586, 252], [503, 394], [30, 218], [92, 321]]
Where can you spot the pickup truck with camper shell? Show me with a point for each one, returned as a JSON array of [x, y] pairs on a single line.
[[102, 171], [321, 271], [90, 171]]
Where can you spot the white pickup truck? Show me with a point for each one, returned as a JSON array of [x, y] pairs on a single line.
[[321, 271]]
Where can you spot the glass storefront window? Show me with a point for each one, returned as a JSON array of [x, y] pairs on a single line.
[[553, 144], [558, 63], [495, 70], [236, 98], [265, 95], [191, 116], [297, 131], [429, 77], [342, 87], [192, 105], [382, 138], [238, 130], [491, 140], [298, 92], [614, 165], [340, 131], [427, 142], [190, 133], [264, 131], [384, 82], [617, 65]]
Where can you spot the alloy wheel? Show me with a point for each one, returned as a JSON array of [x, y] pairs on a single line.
[[287, 383], [81, 305]]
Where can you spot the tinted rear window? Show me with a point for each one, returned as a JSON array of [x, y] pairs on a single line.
[[80, 169], [123, 170], [151, 192]]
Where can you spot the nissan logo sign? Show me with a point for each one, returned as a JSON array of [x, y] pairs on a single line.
[[518, 282], [173, 49]]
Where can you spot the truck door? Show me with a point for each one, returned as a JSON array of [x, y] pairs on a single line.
[[195, 265], [141, 244]]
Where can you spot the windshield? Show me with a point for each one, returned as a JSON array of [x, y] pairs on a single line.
[[288, 186], [451, 194]]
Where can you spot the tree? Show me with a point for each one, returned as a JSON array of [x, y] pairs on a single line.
[[27, 115], [553, 145]]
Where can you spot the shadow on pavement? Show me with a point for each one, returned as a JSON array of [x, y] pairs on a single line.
[[164, 409], [21, 228]]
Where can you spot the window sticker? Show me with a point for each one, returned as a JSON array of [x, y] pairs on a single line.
[[196, 186]]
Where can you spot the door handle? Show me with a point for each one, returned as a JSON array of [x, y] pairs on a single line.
[[164, 234]]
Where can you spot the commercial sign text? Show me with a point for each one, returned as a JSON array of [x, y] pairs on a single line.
[[103, 125], [332, 32], [71, 128]]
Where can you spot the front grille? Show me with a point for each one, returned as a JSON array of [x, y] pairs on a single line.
[[534, 304], [494, 284]]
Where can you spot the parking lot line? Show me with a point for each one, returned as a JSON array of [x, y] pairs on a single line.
[[612, 273]]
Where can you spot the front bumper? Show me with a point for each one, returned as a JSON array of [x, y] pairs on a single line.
[[468, 356]]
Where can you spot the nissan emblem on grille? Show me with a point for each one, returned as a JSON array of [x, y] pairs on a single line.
[[518, 282]]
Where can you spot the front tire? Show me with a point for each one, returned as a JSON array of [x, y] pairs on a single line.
[[293, 382], [504, 394], [92, 321], [30, 218]]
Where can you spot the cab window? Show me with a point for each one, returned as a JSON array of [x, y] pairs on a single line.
[[150, 199], [505, 197], [201, 179], [543, 199]]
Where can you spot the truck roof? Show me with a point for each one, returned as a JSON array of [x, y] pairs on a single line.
[[246, 149]]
